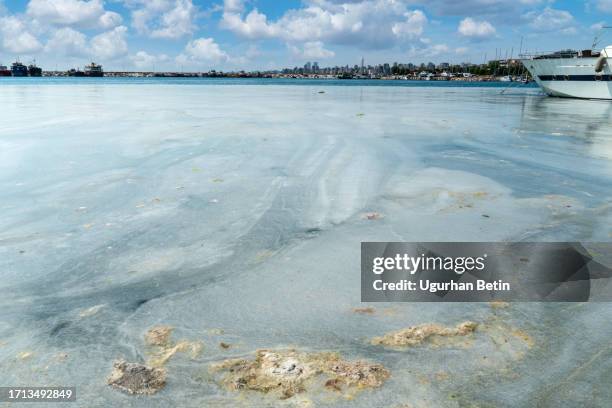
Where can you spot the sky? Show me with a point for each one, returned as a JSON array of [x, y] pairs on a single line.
[[199, 35]]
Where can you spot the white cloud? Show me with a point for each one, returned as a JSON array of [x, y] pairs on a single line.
[[550, 19], [203, 50], [110, 19], [163, 18], [366, 23], [605, 6], [86, 14], [16, 38], [233, 6], [255, 24], [142, 59], [412, 27], [68, 42], [461, 50], [430, 51], [439, 49], [479, 30], [499, 10], [110, 45], [312, 50]]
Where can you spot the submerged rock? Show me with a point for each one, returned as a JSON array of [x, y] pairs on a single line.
[[499, 304], [164, 353], [416, 335], [372, 216], [24, 355], [289, 372], [91, 311], [364, 310], [158, 336], [136, 378], [358, 373], [164, 349]]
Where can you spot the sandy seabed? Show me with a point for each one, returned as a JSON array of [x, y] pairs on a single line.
[[228, 220]]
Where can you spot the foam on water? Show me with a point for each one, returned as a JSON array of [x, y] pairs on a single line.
[[235, 214]]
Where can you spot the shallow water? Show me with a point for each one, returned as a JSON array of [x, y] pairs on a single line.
[[235, 214]]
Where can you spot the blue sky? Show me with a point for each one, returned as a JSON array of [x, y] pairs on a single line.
[[266, 34]]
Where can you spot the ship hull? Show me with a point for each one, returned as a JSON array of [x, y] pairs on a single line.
[[571, 77]]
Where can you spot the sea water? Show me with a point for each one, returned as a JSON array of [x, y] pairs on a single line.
[[234, 211]]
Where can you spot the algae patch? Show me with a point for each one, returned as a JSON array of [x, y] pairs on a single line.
[[158, 336], [25, 355], [364, 310], [499, 304], [137, 378], [91, 311], [147, 379], [416, 335], [286, 373], [160, 357], [164, 349]]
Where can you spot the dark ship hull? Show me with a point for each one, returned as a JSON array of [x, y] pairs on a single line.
[[34, 71], [92, 70], [19, 70]]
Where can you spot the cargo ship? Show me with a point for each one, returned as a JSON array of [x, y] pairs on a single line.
[[4, 71], [34, 71], [94, 70], [76, 73], [19, 70], [91, 70]]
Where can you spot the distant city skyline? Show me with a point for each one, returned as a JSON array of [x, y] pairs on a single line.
[[231, 35]]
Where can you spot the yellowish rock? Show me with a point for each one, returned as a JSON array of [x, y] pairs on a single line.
[[24, 355], [163, 347], [416, 335], [136, 378], [158, 336], [289, 372]]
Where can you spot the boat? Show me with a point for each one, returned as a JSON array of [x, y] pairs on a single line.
[[583, 74], [94, 70], [19, 70], [4, 71], [34, 71], [345, 75], [91, 70], [76, 73]]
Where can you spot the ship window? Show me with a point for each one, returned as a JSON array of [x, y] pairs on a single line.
[[567, 77]]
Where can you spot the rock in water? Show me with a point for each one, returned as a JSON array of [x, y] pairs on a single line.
[[136, 378], [158, 336], [416, 335], [289, 372]]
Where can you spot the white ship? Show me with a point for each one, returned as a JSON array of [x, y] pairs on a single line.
[[573, 74]]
